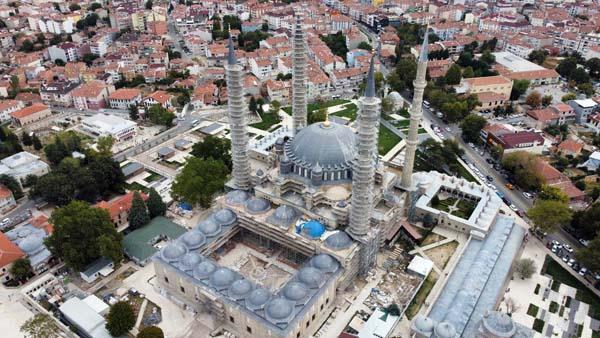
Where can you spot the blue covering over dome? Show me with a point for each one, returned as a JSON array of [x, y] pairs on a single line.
[[313, 229]]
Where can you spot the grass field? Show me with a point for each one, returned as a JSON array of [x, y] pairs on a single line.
[[421, 295], [349, 112], [268, 120], [387, 140], [316, 106]]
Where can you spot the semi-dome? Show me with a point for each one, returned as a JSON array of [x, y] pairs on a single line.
[[445, 330], [236, 197], [193, 239], [257, 298], [173, 251], [222, 277], [327, 144], [279, 309], [295, 291], [208, 227], [204, 270], [499, 324], [32, 244], [324, 262], [190, 260], [424, 324], [310, 276], [338, 241], [257, 205], [240, 288], [225, 217]]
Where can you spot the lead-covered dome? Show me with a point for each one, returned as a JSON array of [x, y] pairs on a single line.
[[190, 260], [499, 324], [284, 215], [208, 227], [279, 310], [295, 291], [257, 298], [324, 262], [225, 217], [240, 288], [173, 251], [257, 205], [193, 239], [424, 324], [222, 278], [310, 276], [32, 244], [445, 330], [237, 197], [338, 241], [204, 270]]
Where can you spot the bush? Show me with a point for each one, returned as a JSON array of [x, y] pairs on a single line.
[[537, 289], [120, 319], [532, 310], [553, 307], [538, 325]]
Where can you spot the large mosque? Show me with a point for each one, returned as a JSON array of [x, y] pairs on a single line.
[[308, 209]]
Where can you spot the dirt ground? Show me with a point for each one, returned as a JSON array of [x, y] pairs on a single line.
[[432, 238], [441, 255]]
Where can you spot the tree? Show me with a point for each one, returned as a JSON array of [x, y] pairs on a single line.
[[593, 66], [568, 97], [199, 180], [487, 57], [74, 7], [525, 268], [27, 46], [21, 269], [151, 332], [82, 234], [149, 4], [519, 88], [91, 19], [496, 152], [387, 105], [213, 147], [107, 174], [252, 105], [566, 67], [523, 167], [590, 255], [12, 185], [89, 58], [104, 145], [468, 72], [586, 88], [155, 204], [538, 56], [134, 113], [318, 115], [59, 62], [56, 151], [551, 193], [26, 138], [471, 127], [534, 99], [120, 319], [157, 114], [546, 100], [138, 213], [337, 43], [586, 223], [94, 6], [453, 75], [37, 144], [364, 45], [40, 326], [547, 215], [580, 76]]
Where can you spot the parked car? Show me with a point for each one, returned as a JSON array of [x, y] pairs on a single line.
[[527, 195], [471, 145], [510, 186], [489, 178], [568, 248], [565, 258], [583, 271], [520, 213], [571, 262], [513, 207]]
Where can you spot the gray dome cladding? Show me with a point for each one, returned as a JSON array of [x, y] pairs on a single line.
[[310, 276], [172, 251], [327, 146], [193, 239], [236, 197], [208, 227], [224, 217], [279, 309], [257, 205], [338, 241], [257, 298], [204, 270], [240, 288]]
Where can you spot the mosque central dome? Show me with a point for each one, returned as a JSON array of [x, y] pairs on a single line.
[[324, 143]]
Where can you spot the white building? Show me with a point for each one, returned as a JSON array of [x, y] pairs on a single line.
[[23, 164], [85, 318], [7, 107], [109, 125]]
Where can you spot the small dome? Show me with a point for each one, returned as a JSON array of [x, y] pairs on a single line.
[[190, 260], [295, 291], [445, 330], [313, 229], [173, 251], [193, 239], [257, 205], [204, 270], [280, 141], [260, 172], [284, 214], [338, 241], [222, 277], [208, 227], [285, 159], [324, 262], [424, 324], [24, 232], [225, 217], [395, 96], [317, 169], [310, 276], [32, 244], [257, 298], [240, 288], [236, 197], [279, 309], [500, 324]]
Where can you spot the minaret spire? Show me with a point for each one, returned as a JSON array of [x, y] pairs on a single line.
[[416, 112], [363, 171], [237, 112], [299, 59]]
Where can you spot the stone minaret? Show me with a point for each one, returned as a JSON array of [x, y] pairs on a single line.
[[237, 113], [363, 171], [416, 112], [299, 77]]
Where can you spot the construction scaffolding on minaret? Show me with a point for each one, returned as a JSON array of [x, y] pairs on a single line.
[[299, 60]]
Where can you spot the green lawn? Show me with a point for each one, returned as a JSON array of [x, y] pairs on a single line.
[[401, 123], [421, 295], [268, 120], [349, 112], [553, 268], [464, 173], [465, 208], [443, 205], [153, 176], [315, 106], [387, 140], [136, 186], [537, 289], [404, 113]]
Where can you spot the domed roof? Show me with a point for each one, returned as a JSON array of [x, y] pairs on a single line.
[[32, 244], [193, 239], [240, 288], [190, 260], [295, 291], [260, 172], [326, 145], [208, 227], [23, 232], [317, 169], [338, 241], [313, 229], [310, 276], [284, 214], [173, 251], [324, 262], [224, 217], [204, 270], [279, 309], [222, 277], [500, 324], [236, 197], [424, 324], [395, 96], [445, 330], [257, 298], [257, 205]]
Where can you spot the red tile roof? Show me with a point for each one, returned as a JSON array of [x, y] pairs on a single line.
[[513, 140], [9, 251], [41, 222], [119, 204], [543, 115], [125, 94], [35, 108], [570, 146], [5, 192]]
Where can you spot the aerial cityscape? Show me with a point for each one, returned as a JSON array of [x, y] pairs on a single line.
[[291, 169]]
